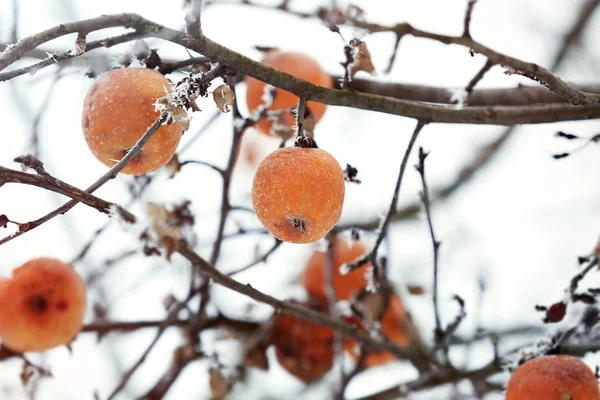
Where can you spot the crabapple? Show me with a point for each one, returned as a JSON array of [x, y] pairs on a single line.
[[42, 306], [555, 377], [298, 193], [344, 252], [395, 326], [303, 348], [299, 65], [119, 109]]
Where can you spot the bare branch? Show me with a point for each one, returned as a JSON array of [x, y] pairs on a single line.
[[424, 112], [101, 181], [420, 167], [478, 77], [468, 13], [296, 309], [15, 52], [372, 255]]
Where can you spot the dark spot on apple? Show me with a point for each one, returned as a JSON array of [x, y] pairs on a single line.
[[62, 306], [38, 304]]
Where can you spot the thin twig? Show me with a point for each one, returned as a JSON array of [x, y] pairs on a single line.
[[424, 112], [420, 167], [294, 309], [263, 258], [101, 181], [468, 13], [477, 78], [14, 32], [300, 111], [372, 255]]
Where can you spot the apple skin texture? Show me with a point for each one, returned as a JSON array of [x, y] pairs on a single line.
[[118, 110], [42, 306]]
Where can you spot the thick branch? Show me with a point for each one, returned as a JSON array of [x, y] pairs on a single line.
[[296, 309], [15, 52], [530, 70], [424, 112], [101, 181], [56, 185]]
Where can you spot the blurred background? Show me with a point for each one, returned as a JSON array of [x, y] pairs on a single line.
[[511, 234]]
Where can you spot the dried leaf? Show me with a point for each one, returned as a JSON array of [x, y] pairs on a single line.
[[168, 235], [597, 250], [26, 374], [416, 290], [556, 312], [173, 166], [176, 113], [169, 301], [362, 58], [304, 348], [256, 356], [220, 386], [224, 97], [369, 305]]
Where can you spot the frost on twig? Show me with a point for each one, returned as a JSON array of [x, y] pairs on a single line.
[[137, 56], [182, 98], [80, 44], [459, 97]]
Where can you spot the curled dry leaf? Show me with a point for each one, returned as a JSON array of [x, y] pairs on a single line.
[[173, 166], [362, 58], [596, 252], [167, 234], [224, 97]]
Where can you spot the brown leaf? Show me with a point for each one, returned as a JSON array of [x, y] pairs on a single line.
[[176, 113], [362, 58], [219, 384], [224, 97], [256, 356], [167, 234], [26, 374], [173, 166], [369, 305], [416, 290]]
